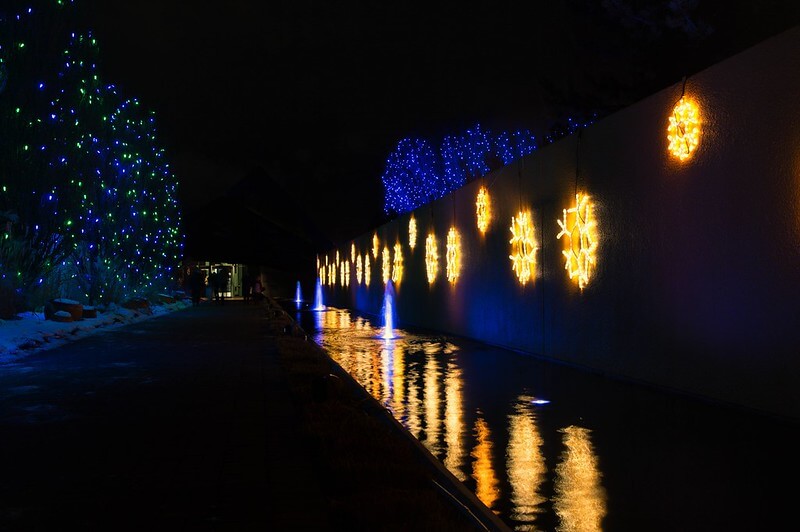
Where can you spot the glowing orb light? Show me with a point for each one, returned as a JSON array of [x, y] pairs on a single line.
[[412, 232], [386, 267], [580, 229], [376, 245], [523, 247], [683, 132], [453, 255], [367, 270], [431, 257], [483, 210], [397, 269], [359, 269]]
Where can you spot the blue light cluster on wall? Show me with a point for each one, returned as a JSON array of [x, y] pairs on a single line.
[[417, 173]]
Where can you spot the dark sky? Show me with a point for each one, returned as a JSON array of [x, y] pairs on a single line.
[[318, 93]]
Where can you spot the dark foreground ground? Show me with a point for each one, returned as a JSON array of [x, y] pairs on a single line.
[[195, 421]]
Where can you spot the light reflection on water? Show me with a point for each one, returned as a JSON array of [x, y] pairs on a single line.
[[526, 466], [549, 447], [580, 497], [420, 379]]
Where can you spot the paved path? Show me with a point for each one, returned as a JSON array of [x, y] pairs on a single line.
[[181, 422]]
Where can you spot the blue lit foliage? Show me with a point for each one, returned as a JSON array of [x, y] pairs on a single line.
[[89, 169], [461, 158], [410, 174]]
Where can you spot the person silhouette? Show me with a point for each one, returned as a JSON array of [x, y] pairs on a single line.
[[222, 284], [197, 285], [247, 287]]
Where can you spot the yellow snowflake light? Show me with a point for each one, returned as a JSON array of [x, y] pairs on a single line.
[[397, 271], [431, 257], [367, 269], [337, 258], [580, 229], [347, 273], [453, 255], [386, 265], [683, 132], [353, 253], [483, 210], [341, 274], [523, 247], [359, 269], [376, 245], [332, 275], [412, 232], [322, 278]]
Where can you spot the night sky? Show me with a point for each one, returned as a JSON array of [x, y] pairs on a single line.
[[319, 93]]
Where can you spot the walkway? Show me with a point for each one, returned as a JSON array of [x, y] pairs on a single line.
[[182, 422]]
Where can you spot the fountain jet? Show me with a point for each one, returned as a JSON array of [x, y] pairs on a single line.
[[388, 312], [318, 297]]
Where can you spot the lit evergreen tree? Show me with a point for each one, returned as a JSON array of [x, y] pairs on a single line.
[[83, 165]]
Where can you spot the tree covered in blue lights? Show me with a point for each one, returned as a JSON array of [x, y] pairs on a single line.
[[458, 160], [81, 169]]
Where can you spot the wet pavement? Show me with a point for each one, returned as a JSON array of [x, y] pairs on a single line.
[[181, 422]]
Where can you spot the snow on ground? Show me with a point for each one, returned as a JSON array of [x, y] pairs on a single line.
[[31, 333]]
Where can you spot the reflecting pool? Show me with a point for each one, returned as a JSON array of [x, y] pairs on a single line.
[[550, 447]]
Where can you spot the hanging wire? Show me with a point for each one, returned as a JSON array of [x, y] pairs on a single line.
[[578, 158], [519, 183], [454, 208]]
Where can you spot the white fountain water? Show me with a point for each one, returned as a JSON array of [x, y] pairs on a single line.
[[298, 298], [318, 297], [388, 312]]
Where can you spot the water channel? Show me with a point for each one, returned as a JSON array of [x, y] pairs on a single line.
[[551, 447]]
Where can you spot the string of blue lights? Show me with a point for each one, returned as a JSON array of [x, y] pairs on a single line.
[[83, 163], [416, 173]]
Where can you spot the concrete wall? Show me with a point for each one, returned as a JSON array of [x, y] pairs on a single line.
[[697, 287]]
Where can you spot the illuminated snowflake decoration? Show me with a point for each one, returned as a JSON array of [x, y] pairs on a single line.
[[397, 270], [683, 132], [523, 247], [353, 253], [453, 255], [347, 273], [322, 278], [359, 269], [579, 228], [431, 257], [332, 275], [367, 270], [337, 258], [376, 245], [412, 232], [483, 210], [341, 274], [386, 266]]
